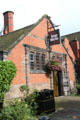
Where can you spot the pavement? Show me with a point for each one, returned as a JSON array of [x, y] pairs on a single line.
[[67, 108]]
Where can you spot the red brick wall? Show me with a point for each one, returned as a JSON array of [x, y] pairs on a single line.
[[75, 47], [69, 49], [17, 56], [41, 29], [40, 78]]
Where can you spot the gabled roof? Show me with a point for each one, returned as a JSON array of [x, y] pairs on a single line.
[[72, 36], [8, 40]]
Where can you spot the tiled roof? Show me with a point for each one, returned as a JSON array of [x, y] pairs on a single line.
[[72, 36], [6, 41]]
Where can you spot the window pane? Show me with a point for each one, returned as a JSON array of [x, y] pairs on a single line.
[[37, 61], [31, 56], [31, 60], [32, 65], [43, 60]]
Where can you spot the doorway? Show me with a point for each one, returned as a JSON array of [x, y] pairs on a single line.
[[57, 83]]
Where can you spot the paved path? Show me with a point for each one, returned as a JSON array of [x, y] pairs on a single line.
[[67, 108]]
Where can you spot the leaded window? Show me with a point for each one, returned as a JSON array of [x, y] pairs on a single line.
[[31, 60], [37, 61], [43, 60]]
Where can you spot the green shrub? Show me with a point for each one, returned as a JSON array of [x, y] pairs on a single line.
[[7, 73], [77, 85], [31, 102], [30, 99], [24, 88], [78, 88], [16, 111]]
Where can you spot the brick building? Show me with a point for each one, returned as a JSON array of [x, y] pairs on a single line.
[[74, 40], [29, 50]]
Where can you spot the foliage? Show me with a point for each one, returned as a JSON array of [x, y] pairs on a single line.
[[76, 77], [31, 101], [78, 88], [53, 65], [16, 111], [7, 73], [24, 88], [78, 85]]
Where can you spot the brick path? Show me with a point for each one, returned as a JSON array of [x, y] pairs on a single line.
[[67, 108]]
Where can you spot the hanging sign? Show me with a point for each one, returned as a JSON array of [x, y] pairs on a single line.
[[54, 37]]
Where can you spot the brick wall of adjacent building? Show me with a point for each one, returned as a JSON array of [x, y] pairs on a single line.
[[75, 47]]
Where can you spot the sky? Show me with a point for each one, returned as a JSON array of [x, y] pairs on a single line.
[[65, 13]]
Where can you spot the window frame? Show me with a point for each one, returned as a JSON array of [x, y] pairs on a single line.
[[38, 63]]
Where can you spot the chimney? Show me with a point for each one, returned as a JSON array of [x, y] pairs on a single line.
[[8, 22]]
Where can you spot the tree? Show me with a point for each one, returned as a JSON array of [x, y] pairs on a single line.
[[7, 73]]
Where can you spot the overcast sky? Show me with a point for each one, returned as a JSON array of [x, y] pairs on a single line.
[[62, 12]]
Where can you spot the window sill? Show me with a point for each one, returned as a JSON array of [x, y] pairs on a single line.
[[37, 72]]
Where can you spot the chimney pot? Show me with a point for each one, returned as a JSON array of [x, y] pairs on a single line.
[[8, 21]]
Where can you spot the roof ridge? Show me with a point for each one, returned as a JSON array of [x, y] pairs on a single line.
[[17, 30], [34, 24], [70, 34]]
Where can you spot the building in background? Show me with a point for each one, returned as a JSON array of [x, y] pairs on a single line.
[[74, 41], [30, 50]]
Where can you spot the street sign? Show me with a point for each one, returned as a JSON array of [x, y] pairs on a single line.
[[54, 37]]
